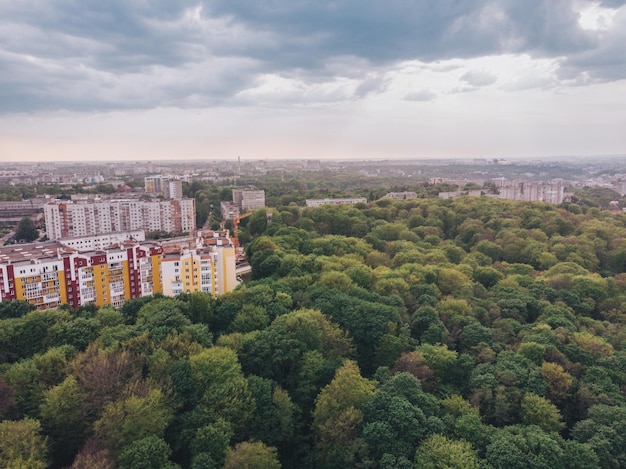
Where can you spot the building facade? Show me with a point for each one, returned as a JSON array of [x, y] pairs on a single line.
[[248, 199], [103, 241], [208, 269], [66, 219], [22, 208], [50, 274], [551, 192], [229, 210], [170, 187]]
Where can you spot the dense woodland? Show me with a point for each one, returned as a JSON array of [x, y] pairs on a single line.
[[426, 333]]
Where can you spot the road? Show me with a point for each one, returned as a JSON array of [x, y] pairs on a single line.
[[6, 237]]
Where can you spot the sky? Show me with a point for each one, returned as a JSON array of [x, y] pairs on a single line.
[[160, 79]]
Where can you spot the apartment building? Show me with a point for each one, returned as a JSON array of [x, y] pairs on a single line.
[[50, 274], [103, 241], [209, 269], [247, 200], [170, 187], [229, 210], [66, 219], [22, 208], [531, 191]]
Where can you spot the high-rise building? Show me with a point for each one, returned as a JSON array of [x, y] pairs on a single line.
[[69, 219], [210, 269]]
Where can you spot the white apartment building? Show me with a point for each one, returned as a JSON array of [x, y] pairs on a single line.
[[551, 192], [248, 199], [69, 219], [102, 241], [210, 269]]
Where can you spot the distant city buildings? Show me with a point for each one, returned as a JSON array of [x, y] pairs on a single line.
[[103, 241], [22, 208], [209, 268], [453, 194], [50, 274], [455, 182], [170, 187], [243, 201], [319, 202], [247, 200], [400, 195], [229, 210], [71, 219], [550, 192]]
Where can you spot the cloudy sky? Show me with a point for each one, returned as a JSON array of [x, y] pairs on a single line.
[[156, 79]]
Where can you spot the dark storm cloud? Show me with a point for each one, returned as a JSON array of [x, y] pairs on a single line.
[[402, 30], [87, 54], [607, 61], [613, 3]]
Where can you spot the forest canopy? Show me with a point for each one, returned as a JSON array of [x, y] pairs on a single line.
[[460, 333]]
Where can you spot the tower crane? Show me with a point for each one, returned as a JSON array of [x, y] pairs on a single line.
[[236, 221]]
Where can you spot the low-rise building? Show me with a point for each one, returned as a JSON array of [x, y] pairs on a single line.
[[400, 195], [319, 202], [102, 241], [22, 208]]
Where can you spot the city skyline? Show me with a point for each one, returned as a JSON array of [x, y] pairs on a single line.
[[86, 81]]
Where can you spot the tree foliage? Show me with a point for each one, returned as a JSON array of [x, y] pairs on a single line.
[[26, 230], [431, 333]]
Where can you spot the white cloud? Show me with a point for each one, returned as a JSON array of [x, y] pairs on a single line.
[[595, 17], [421, 96], [276, 90], [380, 77], [479, 78]]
